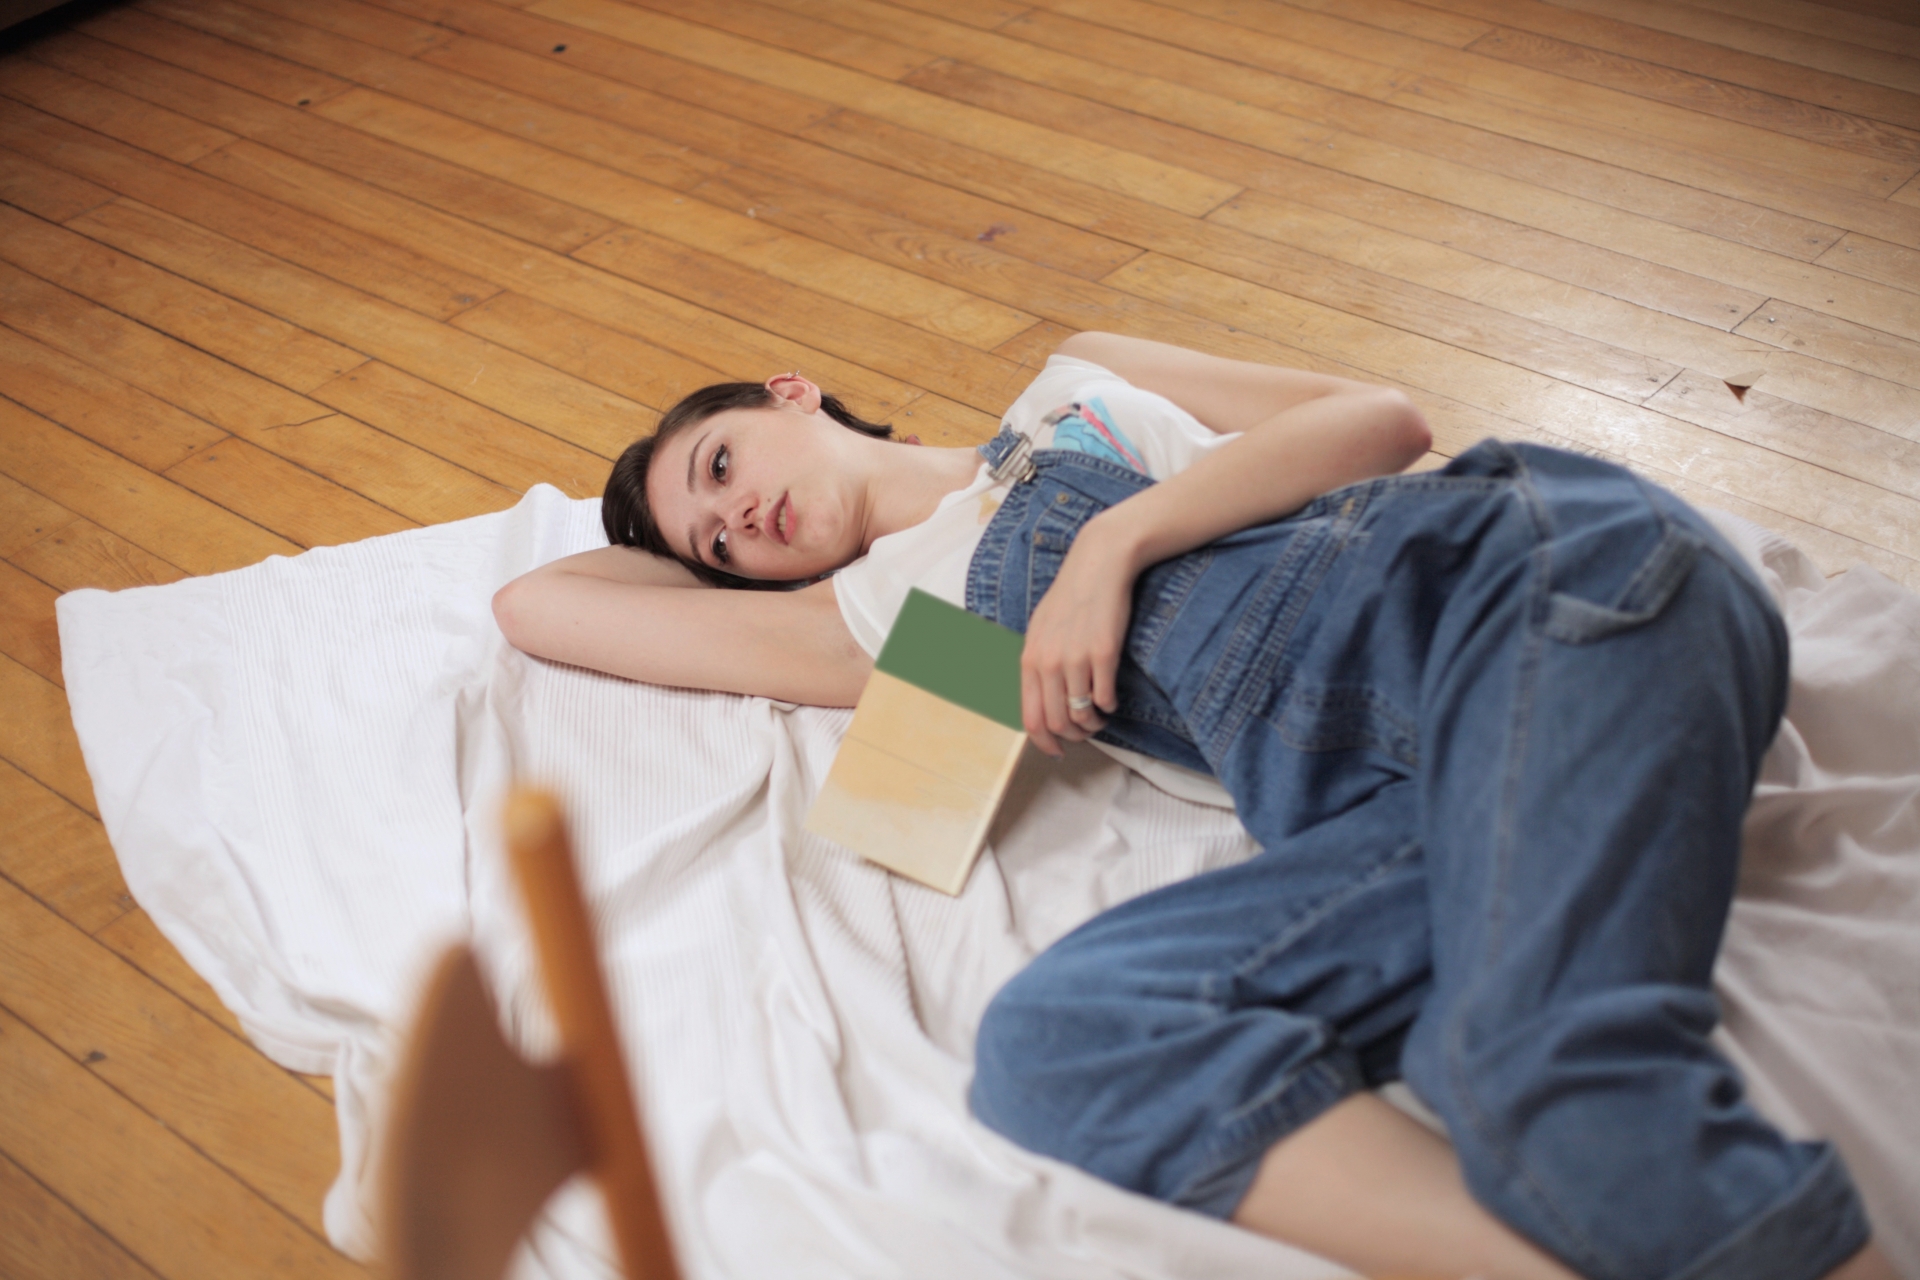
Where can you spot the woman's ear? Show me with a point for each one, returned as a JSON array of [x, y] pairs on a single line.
[[795, 391]]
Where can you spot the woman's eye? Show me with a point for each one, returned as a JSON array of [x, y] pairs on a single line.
[[720, 555], [718, 467]]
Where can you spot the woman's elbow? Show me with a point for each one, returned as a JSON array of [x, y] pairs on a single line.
[[1407, 435], [510, 611]]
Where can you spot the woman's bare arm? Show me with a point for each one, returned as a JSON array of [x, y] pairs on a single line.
[[1225, 395], [1302, 435], [629, 613]]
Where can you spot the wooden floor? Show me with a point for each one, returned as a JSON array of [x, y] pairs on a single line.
[[284, 273]]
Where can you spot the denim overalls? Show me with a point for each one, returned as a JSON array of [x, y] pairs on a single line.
[[1495, 729]]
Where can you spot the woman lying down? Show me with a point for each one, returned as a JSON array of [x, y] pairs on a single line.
[[1494, 729]]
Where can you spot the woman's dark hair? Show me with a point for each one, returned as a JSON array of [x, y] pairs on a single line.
[[624, 512]]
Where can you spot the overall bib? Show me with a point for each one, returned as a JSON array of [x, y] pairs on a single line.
[[1495, 729]]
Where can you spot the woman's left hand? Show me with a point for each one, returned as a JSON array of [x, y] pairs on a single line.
[[1074, 641]]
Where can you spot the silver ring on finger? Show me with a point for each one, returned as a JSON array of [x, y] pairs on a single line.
[[1077, 703]]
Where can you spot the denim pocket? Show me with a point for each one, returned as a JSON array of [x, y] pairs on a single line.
[[1058, 521], [1572, 620], [1347, 718]]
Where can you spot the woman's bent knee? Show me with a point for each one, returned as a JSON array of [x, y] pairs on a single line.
[[1165, 1095], [1029, 1083]]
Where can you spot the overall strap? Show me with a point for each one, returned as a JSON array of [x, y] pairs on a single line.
[[1009, 456]]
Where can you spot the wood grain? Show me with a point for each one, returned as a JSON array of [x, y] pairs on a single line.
[[1875, 66], [37, 737], [125, 419], [619, 92], [437, 352], [282, 273], [1835, 340], [1873, 259], [57, 852], [509, 453], [166, 1057], [139, 505], [80, 553], [140, 1183], [534, 216], [1113, 169], [1899, 148], [204, 386], [46, 191], [1715, 61], [1865, 29], [40, 1235], [245, 336], [359, 260], [27, 631]]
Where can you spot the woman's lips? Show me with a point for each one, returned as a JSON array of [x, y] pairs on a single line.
[[782, 520]]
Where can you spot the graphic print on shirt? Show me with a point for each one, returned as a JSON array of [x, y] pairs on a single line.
[[1086, 426]]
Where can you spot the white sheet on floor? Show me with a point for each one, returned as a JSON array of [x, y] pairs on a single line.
[[299, 764]]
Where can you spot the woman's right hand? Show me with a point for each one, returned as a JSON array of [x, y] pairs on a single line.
[[1074, 640]]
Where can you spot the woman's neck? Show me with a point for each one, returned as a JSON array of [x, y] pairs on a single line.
[[908, 483]]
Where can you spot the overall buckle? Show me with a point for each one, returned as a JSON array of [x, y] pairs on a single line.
[[1018, 466]]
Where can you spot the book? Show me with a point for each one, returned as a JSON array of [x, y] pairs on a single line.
[[933, 744]]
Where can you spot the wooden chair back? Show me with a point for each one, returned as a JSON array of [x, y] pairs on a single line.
[[477, 1138]]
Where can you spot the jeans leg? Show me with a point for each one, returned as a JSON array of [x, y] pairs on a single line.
[[1167, 1043], [1585, 790]]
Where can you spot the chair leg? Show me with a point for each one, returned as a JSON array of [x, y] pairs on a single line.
[[564, 936]]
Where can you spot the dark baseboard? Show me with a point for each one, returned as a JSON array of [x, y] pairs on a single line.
[[24, 21]]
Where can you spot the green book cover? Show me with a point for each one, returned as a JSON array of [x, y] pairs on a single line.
[[956, 655], [933, 744]]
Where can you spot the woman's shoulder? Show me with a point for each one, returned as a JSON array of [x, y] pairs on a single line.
[[1064, 378], [1080, 405]]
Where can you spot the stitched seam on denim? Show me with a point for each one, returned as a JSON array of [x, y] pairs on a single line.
[[1274, 1096], [1146, 633], [1216, 702], [1658, 568], [1348, 529], [1272, 645], [1401, 741], [1319, 910], [1526, 677], [1651, 589], [1051, 525], [1816, 1173], [1140, 713], [985, 572], [1322, 1082], [1291, 575], [1255, 649], [987, 567], [1050, 459]]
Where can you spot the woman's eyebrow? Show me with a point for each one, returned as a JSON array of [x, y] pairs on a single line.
[[692, 455]]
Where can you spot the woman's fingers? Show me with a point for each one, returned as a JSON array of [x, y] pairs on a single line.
[[1072, 652], [1105, 682], [1040, 708], [1053, 706]]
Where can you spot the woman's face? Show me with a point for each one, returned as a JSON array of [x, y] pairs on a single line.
[[761, 493]]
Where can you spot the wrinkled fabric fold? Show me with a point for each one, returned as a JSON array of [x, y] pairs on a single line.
[[801, 1026]]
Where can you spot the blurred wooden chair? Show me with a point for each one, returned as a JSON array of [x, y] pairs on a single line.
[[478, 1138]]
